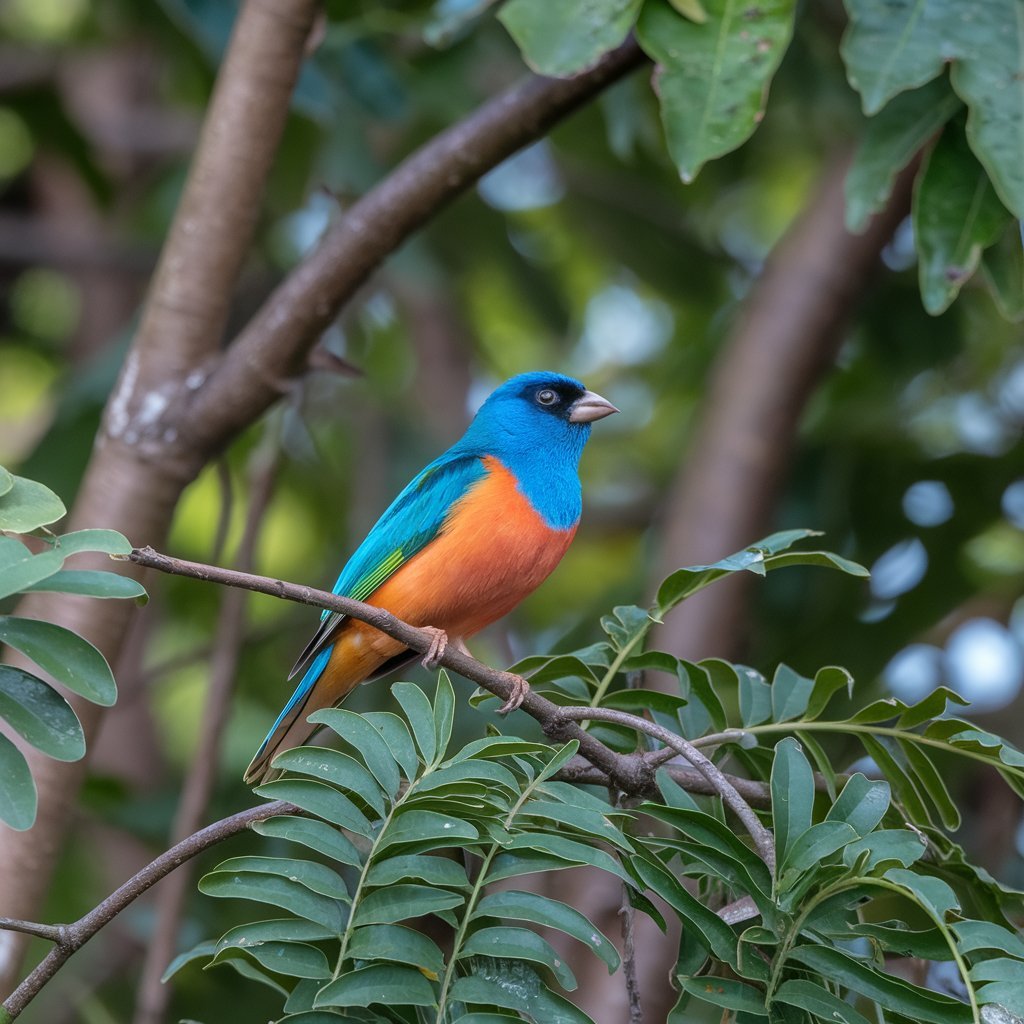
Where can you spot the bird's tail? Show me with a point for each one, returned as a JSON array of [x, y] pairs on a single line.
[[326, 683]]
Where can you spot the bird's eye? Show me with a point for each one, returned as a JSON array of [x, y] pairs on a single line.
[[547, 397]]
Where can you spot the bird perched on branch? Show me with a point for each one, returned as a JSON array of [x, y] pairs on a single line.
[[473, 534]]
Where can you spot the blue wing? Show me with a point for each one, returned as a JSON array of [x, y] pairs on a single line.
[[410, 523]]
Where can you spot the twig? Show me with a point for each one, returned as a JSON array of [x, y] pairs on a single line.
[[74, 936], [728, 792], [626, 915], [153, 994], [50, 932]]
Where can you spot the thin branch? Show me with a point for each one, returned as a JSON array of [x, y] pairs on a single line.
[[275, 343], [50, 932], [714, 775], [626, 916], [630, 774], [74, 936]]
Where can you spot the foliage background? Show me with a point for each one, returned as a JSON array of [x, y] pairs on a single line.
[[585, 254]]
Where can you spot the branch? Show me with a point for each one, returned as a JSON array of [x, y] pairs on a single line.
[[72, 937], [714, 775], [631, 774], [275, 343]]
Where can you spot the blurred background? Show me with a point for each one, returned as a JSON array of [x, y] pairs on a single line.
[[583, 254]]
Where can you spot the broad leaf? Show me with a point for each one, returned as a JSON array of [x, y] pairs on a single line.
[[40, 715], [26, 505], [792, 786], [17, 790]]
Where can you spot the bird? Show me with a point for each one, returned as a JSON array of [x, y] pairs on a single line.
[[471, 535]]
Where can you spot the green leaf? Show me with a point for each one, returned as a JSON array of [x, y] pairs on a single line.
[[932, 706], [584, 819], [1002, 267], [26, 505], [6, 481], [816, 1000], [822, 559], [278, 891], [250, 971], [317, 877], [932, 893], [316, 835], [519, 944], [521, 991], [896, 937], [891, 762], [40, 715], [91, 583], [931, 780], [295, 959], [688, 581], [975, 935], [388, 984], [282, 929], [320, 799], [417, 708], [568, 37], [399, 944], [827, 681], [444, 713], [755, 696], [626, 626], [790, 694], [335, 767], [956, 217], [568, 850], [499, 746], [725, 992], [108, 542], [891, 47], [67, 657], [17, 790], [453, 775], [517, 905], [366, 741], [891, 138], [895, 846], [395, 734], [891, 993], [712, 79], [862, 803], [417, 826], [404, 901], [816, 844], [792, 788], [708, 927], [439, 871], [21, 570], [201, 952]]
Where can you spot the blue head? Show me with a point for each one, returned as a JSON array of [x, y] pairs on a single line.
[[537, 424]]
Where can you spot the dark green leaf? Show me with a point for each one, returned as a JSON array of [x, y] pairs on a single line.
[[932, 893], [438, 871], [519, 944], [418, 826], [566, 38], [250, 971], [891, 846], [790, 694], [823, 559], [201, 952], [1002, 267], [684, 582], [892, 764], [277, 891], [17, 790], [566, 849], [335, 767], [21, 570], [492, 775], [892, 993], [40, 715], [536, 909], [399, 944], [295, 959], [725, 992], [862, 803], [583, 819], [417, 708], [317, 877], [928, 776], [26, 505], [499, 746], [67, 657], [320, 799], [891, 139], [316, 835], [792, 788], [388, 984], [444, 713], [282, 929], [366, 741], [932, 706], [956, 216], [395, 733], [827, 681], [404, 901], [517, 990], [713, 78], [897, 937], [92, 583], [817, 844], [975, 935], [755, 696], [816, 1000]]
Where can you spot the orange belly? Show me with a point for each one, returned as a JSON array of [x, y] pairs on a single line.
[[492, 551]]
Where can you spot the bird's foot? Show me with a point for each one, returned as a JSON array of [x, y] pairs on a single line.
[[520, 688], [438, 645]]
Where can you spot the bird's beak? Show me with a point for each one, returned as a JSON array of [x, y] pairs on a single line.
[[589, 407]]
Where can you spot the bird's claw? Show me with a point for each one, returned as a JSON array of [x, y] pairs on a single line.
[[520, 688], [438, 645]]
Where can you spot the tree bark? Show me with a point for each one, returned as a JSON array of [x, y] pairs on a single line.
[[785, 341], [134, 486]]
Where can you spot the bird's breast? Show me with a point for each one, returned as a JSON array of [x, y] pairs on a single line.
[[493, 550]]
